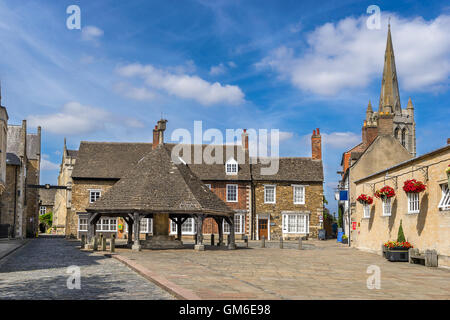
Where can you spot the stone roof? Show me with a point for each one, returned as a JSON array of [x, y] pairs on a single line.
[[47, 197], [12, 159], [72, 153], [157, 185], [293, 169], [107, 160], [33, 146]]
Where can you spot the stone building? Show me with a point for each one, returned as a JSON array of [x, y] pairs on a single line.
[[4, 228], [101, 164], [388, 137], [63, 197], [289, 204], [46, 201], [425, 217], [20, 203]]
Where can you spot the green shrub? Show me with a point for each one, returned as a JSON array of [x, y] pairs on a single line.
[[47, 219], [401, 235]]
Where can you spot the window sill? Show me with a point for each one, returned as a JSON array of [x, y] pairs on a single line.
[[413, 212]]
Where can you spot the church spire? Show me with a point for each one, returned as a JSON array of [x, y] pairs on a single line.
[[389, 96]]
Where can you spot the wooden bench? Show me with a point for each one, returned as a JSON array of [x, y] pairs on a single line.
[[430, 257]]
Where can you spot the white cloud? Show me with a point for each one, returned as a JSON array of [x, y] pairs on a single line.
[[231, 64], [217, 70], [141, 94], [184, 85], [347, 55], [75, 118], [47, 165], [90, 33], [340, 140]]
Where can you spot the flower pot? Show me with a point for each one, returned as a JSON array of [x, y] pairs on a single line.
[[397, 255], [345, 241]]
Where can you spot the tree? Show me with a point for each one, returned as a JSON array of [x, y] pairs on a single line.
[[340, 218], [401, 235], [47, 219]]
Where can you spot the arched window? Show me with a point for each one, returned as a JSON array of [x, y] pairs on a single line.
[[396, 133], [404, 137]]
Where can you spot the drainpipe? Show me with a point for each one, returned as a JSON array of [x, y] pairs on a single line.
[[15, 202]]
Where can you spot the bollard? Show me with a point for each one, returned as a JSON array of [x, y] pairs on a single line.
[[300, 243], [246, 241], [263, 242], [112, 243], [100, 241], [104, 244], [83, 241], [228, 240], [212, 239], [281, 242], [95, 246]]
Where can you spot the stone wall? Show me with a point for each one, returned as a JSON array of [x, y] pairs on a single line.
[[285, 202], [32, 199], [7, 199], [427, 229], [80, 201]]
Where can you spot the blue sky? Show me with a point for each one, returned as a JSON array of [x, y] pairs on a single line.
[[287, 65]]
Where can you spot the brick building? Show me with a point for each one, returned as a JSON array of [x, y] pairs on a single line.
[[100, 165]]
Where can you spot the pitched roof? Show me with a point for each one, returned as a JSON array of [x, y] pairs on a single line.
[[12, 159], [205, 171], [107, 160], [72, 153], [291, 169], [157, 185], [47, 197], [33, 146]]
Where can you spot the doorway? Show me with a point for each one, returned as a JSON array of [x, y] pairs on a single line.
[[263, 228]]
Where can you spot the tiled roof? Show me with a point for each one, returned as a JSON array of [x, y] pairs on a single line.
[[72, 153], [47, 196], [291, 169], [157, 185]]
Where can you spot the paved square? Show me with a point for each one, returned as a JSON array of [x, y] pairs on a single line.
[[325, 271]]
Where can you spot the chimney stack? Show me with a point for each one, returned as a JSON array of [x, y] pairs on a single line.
[[316, 145], [448, 140], [245, 140], [385, 124], [158, 133]]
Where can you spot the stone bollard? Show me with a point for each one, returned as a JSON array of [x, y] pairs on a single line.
[[263, 242], [300, 243], [212, 239], [281, 242], [112, 243], [246, 241], [104, 244], [228, 240], [95, 245], [83, 241], [100, 241]]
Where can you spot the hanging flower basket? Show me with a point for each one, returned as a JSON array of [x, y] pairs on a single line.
[[413, 186], [364, 199], [385, 192]]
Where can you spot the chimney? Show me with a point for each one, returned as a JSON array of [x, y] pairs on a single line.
[[448, 140], [369, 133], [158, 133], [245, 140], [385, 124], [316, 145]]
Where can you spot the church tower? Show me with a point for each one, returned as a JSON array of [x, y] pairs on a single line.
[[404, 126]]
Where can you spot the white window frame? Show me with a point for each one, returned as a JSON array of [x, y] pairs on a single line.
[[274, 193], [42, 210], [387, 207], [91, 191], [239, 224], [237, 192], [191, 231], [413, 202], [104, 224], [294, 187], [294, 218], [366, 210], [444, 203], [148, 226], [231, 167], [82, 224]]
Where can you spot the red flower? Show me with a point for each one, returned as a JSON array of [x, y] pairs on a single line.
[[385, 192], [413, 186], [364, 199]]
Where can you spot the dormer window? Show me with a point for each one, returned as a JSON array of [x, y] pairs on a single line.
[[231, 167]]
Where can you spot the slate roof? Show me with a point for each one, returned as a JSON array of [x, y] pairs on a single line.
[[47, 197], [291, 170], [72, 153], [13, 142], [33, 146], [107, 160], [12, 159], [157, 185]]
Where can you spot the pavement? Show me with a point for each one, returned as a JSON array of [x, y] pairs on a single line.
[[39, 270], [325, 270], [8, 246]]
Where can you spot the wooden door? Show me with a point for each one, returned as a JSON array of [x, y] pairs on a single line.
[[262, 228]]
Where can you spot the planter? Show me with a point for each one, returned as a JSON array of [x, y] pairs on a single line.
[[397, 255], [345, 241]]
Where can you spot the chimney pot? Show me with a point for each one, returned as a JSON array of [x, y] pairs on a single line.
[[318, 131], [316, 145]]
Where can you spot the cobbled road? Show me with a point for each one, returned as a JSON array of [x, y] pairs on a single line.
[[39, 271]]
